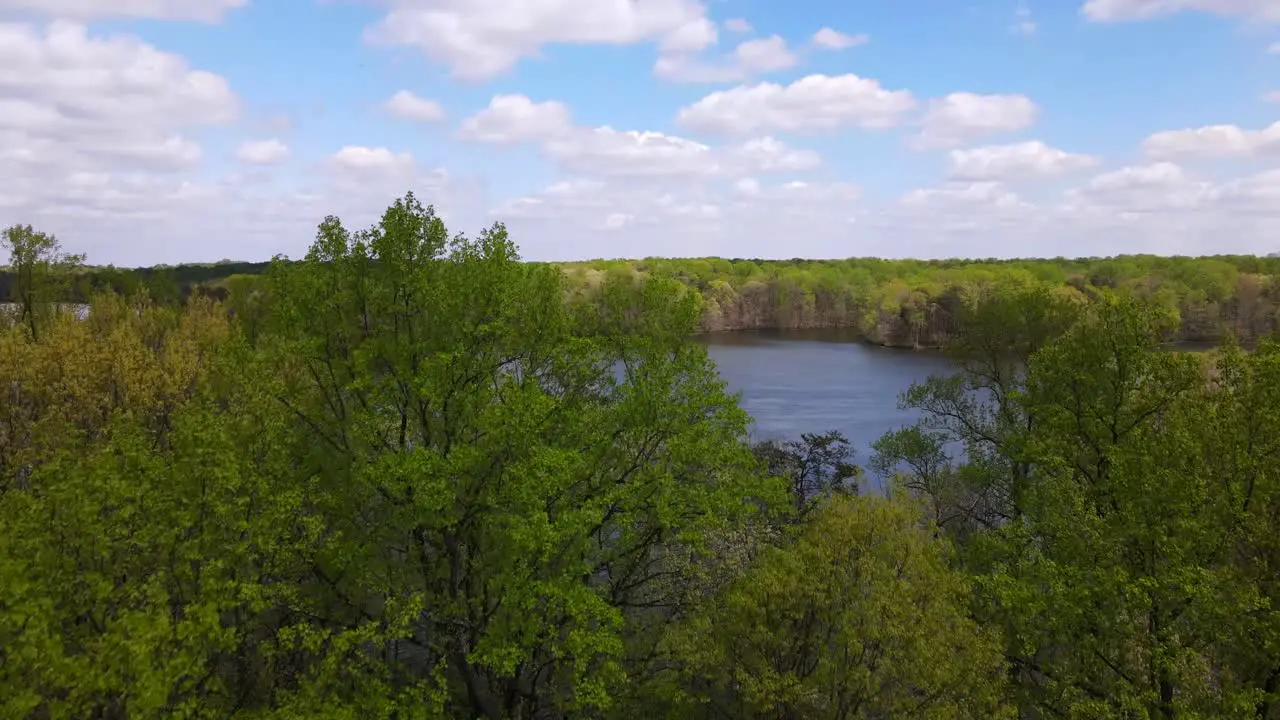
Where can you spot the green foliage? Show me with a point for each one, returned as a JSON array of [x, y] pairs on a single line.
[[859, 617], [1112, 502], [816, 468], [412, 476], [525, 468], [906, 303], [40, 274]]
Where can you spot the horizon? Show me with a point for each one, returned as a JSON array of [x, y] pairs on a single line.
[[89, 265], [167, 132]]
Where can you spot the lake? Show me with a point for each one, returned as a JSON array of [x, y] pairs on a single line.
[[798, 381]]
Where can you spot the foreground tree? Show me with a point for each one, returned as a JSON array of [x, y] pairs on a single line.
[[504, 476], [859, 617], [1118, 534], [148, 524], [424, 486]]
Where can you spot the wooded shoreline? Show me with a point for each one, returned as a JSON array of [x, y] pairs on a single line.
[[892, 303]]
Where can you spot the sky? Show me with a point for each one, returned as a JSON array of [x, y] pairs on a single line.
[[164, 131]]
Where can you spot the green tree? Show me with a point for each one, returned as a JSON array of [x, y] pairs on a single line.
[[149, 528], [522, 469], [860, 616], [41, 273], [1124, 557], [816, 467]]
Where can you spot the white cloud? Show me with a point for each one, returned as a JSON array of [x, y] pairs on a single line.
[[1023, 23], [1128, 10], [605, 151], [768, 154], [95, 126], [836, 40], [963, 195], [1157, 175], [516, 118], [962, 117], [581, 219], [1031, 159], [479, 39], [691, 37], [409, 106], [263, 152], [737, 25], [78, 82], [765, 55], [1159, 186], [197, 10], [812, 103], [379, 159], [1271, 97], [749, 59], [100, 138], [608, 152], [1213, 141], [1273, 48], [1255, 195]]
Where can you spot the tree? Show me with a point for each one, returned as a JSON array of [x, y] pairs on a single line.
[[522, 470], [150, 527], [1130, 487], [816, 467], [860, 617], [41, 273]]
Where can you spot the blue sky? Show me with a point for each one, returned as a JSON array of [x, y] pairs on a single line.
[[146, 131]]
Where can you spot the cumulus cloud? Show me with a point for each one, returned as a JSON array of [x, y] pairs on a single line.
[[83, 10], [262, 152], [768, 154], [479, 39], [737, 25], [99, 126], [1031, 159], [690, 37], [1129, 10], [964, 195], [576, 219], [962, 117], [607, 152], [409, 106], [812, 103], [835, 40], [379, 159], [749, 59], [1214, 141], [1256, 194], [1159, 186], [516, 118], [101, 139]]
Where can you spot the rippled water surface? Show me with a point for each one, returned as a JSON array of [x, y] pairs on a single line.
[[813, 381]]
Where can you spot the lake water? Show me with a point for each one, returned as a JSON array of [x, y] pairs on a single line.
[[818, 380]]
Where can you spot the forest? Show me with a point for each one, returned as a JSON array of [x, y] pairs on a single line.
[[896, 303], [410, 476]]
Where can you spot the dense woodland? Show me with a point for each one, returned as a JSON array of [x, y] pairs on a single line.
[[900, 303], [410, 476]]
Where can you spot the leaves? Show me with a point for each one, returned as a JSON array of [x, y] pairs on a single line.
[[859, 617]]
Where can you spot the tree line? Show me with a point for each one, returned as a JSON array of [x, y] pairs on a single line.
[[411, 476], [899, 303]]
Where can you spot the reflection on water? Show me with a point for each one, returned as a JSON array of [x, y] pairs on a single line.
[[798, 381]]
